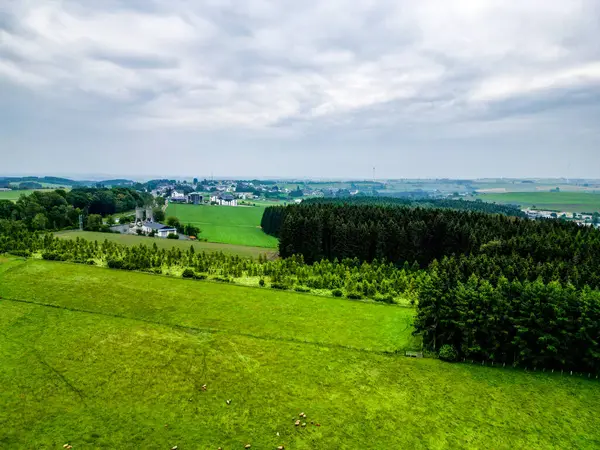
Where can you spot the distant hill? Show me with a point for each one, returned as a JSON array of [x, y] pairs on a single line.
[[66, 181]]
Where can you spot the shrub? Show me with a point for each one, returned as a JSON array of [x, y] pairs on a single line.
[[55, 256], [201, 276], [24, 253], [261, 282], [188, 273], [301, 289], [384, 298], [173, 236], [354, 295], [115, 263], [222, 279], [278, 286], [91, 262], [337, 293], [448, 353], [157, 270]]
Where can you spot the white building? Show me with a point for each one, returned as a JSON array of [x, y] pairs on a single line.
[[160, 230], [223, 199], [178, 197]]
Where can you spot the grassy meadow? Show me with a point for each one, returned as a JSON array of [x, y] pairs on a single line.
[[130, 239], [239, 225], [100, 358], [559, 201], [14, 195]]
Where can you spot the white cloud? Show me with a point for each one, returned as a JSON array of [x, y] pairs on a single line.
[[258, 64]]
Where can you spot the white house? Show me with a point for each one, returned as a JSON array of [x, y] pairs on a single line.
[[178, 197], [160, 230], [223, 199]]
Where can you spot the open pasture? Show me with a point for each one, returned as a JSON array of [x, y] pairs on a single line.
[[558, 201], [239, 225], [99, 358]]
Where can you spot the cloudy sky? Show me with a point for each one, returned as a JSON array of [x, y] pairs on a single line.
[[311, 88]]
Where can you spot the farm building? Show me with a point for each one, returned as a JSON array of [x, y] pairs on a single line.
[[178, 197], [224, 200], [195, 198], [160, 229]]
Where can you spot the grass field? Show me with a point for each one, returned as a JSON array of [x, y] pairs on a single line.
[[560, 201], [238, 225], [14, 195], [108, 359], [128, 239]]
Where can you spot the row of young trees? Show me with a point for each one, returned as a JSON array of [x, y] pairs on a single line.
[[351, 278]]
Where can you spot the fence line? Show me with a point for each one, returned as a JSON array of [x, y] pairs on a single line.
[[484, 362]]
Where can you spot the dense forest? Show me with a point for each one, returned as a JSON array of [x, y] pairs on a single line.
[[498, 287], [54, 210]]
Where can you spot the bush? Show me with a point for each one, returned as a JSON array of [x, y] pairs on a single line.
[[201, 276], [261, 282], [222, 279], [448, 353], [157, 270], [384, 298], [278, 286], [301, 289], [188, 273], [173, 236], [114, 263], [91, 262], [354, 295], [54, 256], [337, 293]]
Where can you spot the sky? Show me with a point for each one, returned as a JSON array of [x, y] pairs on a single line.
[[306, 89]]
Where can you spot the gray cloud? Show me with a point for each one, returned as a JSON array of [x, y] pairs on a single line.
[[296, 72]]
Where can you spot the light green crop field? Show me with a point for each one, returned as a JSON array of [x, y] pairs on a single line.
[[238, 225], [107, 359], [129, 239], [14, 195], [560, 201]]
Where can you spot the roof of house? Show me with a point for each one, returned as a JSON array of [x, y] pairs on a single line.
[[158, 226]]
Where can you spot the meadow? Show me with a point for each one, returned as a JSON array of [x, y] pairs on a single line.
[[101, 358], [14, 195], [558, 201], [130, 239], [239, 225]]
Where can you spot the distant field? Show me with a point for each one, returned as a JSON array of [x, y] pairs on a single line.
[[239, 225], [128, 239], [99, 358], [14, 195], [560, 201]]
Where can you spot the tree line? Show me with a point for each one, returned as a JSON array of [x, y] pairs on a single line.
[[59, 209]]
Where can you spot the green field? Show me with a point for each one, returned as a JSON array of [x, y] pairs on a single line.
[[238, 225], [129, 239], [559, 201], [14, 195], [108, 359]]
